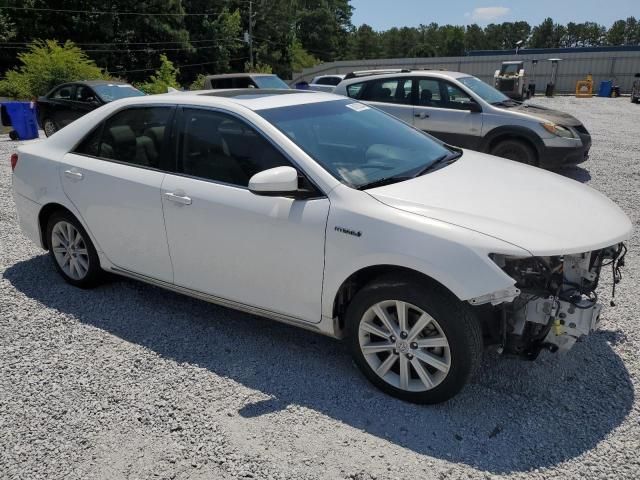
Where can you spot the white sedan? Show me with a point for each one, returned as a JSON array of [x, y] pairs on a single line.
[[322, 212]]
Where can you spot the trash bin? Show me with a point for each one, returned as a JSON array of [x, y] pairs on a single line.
[[302, 85], [23, 119], [615, 92], [606, 86]]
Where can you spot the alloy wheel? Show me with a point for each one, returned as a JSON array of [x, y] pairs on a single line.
[[404, 346], [49, 127], [70, 250]]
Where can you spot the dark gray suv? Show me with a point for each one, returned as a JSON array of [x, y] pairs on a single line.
[[462, 110]]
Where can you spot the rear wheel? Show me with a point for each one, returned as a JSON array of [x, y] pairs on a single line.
[[515, 150], [49, 126], [72, 251], [413, 340]]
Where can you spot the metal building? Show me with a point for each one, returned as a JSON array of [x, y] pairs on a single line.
[[618, 64]]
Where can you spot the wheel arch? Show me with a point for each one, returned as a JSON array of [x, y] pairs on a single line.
[[512, 132], [43, 218], [360, 278]]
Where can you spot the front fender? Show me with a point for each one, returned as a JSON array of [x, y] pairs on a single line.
[[456, 257]]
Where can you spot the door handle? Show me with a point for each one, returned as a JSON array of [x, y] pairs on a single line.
[[178, 198], [421, 115], [73, 174]]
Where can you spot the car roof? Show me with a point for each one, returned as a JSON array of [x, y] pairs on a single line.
[[411, 73], [93, 83], [239, 75], [253, 99]]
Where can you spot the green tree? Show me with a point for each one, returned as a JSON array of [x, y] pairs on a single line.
[[616, 35], [474, 38], [452, 41], [46, 64], [300, 58], [548, 35], [365, 43], [632, 32], [166, 76], [7, 29]]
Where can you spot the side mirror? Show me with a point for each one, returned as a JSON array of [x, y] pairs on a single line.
[[275, 182], [474, 107]]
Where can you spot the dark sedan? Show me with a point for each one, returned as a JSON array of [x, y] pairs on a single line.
[[69, 101]]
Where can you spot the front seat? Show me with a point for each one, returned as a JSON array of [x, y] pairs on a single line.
[[425, 97]]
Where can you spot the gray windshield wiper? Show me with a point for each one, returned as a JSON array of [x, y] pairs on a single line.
[[442, 161], [506, 103], [382, 182]]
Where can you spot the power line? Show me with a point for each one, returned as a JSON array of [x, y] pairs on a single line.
[[104, 12], [214, 39], [128, 50], [176, 66]]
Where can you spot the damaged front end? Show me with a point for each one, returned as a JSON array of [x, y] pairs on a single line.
[[556, 303]]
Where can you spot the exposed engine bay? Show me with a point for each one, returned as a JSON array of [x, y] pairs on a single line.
[[557, 302]]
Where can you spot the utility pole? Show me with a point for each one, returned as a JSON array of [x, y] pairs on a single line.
[[251, 33]]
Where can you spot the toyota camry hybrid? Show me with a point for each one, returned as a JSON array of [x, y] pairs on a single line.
[[326, 213]]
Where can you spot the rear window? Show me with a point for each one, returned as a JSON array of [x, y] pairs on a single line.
[[115, 91], [270, 81], [334, 81]]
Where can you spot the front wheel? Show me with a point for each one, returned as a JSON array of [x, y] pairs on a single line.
[[515, 150], [413, 340]]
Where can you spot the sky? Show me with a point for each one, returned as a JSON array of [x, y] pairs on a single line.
[[384, 14]]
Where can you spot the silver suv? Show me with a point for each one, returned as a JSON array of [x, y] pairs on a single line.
[[462, 110]]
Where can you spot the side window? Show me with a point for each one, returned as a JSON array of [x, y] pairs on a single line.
[[91, 143], [243, 82], [136, 136], [328, 81], [84, 94], [396, 90], [455, 98], [429, 93], [219, 147], [355, 90], [63, 93]]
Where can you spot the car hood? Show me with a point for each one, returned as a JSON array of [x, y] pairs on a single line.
[[539, 211], [546, 114]]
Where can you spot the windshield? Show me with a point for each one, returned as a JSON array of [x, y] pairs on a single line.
[[270, 81], [484, 91], [115, 91], [357, 144]]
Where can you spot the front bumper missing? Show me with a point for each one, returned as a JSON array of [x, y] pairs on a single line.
[[507, 295], [567, 322]]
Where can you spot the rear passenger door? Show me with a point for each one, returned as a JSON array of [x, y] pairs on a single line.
[[60, 105], [259, 251], [84, 100], [393, 95], [444, 110], [114, 177]]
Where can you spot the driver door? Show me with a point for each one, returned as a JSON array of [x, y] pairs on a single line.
[[257, 251], [443, 110]]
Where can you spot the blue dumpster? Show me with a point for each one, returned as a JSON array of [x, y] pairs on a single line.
[[606, 86], [23, 119]]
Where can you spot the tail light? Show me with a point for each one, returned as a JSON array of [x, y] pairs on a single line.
[[14, 161]]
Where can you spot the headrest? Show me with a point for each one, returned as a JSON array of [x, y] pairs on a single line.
[[122, 135]]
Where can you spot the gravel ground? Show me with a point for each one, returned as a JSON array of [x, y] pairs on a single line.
[[130, 381]]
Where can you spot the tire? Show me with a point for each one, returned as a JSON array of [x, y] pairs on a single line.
[[515, 150], [13, 135], [448, 321], [79, 264], [49, 126]]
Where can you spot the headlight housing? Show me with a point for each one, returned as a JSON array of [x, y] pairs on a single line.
[[558, 130]]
